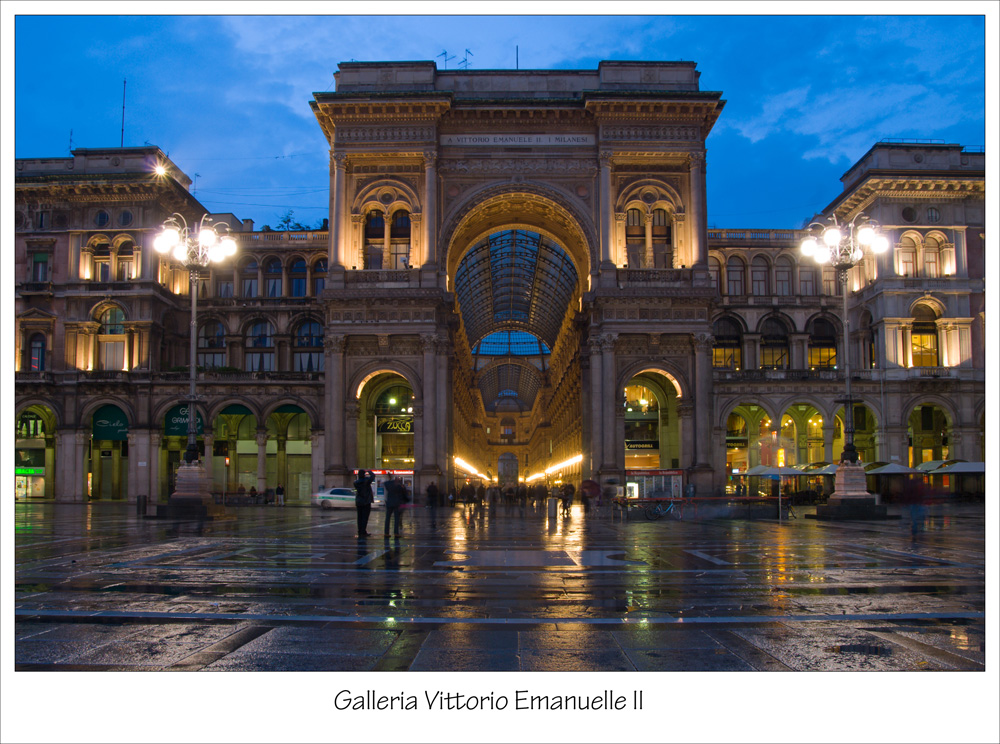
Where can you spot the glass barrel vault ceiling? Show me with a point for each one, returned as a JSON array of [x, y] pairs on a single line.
[[514, 281]]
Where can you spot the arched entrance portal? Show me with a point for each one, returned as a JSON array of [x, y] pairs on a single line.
[[385, 435], [35, 454]]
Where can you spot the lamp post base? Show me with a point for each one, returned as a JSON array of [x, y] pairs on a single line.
[[191, 498], [850, 498]]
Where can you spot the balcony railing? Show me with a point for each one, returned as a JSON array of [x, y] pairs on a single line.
[[380, 276], [283, 236], [752, 234], [650, 277]]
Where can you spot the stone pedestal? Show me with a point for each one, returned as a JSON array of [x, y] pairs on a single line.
[[192, 498], [850, 498]]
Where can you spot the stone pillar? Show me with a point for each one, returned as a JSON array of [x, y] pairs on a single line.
[[430, 208], [281, 464], [649, 263], [153, 477], [334, 398], [609, 400], [907, 345], [338, 166], [699, 236], [685, 416], [261, 460], [73, 262], [208, 439], [315, 461], [596, 397], [607, 215], [68, 466], [828, 429], [428, 463], [351, 413], [386, 242], [703, 398], [443, 409], [961, 264]]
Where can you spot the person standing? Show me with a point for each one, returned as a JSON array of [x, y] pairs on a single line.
[[395, 497], [279, 495], [363, 498]]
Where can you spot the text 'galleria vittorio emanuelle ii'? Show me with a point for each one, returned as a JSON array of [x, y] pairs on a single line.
[[516, 281]]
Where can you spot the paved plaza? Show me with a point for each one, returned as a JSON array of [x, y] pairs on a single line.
[[100, 588]]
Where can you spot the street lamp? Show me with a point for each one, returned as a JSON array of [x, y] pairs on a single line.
[[194, 249], [843, 247]]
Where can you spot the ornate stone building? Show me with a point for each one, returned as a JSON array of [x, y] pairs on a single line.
[[517, 281]]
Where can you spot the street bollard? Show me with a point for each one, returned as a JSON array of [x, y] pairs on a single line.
[[140, 504], [553, 507]]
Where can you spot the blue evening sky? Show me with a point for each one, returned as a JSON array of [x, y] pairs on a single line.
[[227, 97]]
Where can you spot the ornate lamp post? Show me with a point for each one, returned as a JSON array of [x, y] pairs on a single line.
[[194, 249], [843, 247]]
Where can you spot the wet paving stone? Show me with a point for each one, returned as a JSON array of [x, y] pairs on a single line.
[[493, 590]]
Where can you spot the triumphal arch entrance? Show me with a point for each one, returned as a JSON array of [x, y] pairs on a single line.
[[518, 281]]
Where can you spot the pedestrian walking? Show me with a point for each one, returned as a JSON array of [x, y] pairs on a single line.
[[363, 498], [279, 495], [395, 497], [433, 494]]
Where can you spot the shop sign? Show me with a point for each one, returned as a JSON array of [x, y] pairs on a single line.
[[110, 424], [29, 471], [176, 422], [642, 444], [395, 425]]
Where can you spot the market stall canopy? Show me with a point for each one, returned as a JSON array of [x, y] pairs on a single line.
[[932, 465], [961, 468], [894, 468], [781, 472]]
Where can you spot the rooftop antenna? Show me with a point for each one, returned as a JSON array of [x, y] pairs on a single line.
[[446, 58], [465, 62], [194, 190], [71, 140], [517, 61], [123, 113]]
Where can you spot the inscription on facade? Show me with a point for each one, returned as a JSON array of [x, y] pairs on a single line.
[[517, 140]]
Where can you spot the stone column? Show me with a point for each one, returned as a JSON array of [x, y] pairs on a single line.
[[609, 399], [338, 165], [315, 461], [73, 262], [442, 412], [281, 464], [430, 406], [596, 396], [699, 241], [828, 429], [351, 413], [430, 208], [386, 241], [907, 333], [685, 416], [961, 265], [703, 397], [607, 215], [261, 460], [208, 439], [649, 262], [334, 398], [153, 453]]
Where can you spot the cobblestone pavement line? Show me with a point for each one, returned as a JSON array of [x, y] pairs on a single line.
[[99, 588]]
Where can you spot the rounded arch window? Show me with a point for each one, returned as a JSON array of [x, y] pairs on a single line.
[[822, 344], [212, 345], [112, 321], [259, 344], [924, 337], [36, 348], [249, 287], [272, 278], [319, 276], [394, 400], [297, 277], [758, 276], [735, 277], [773, 344], [308, 345], [727, 351]]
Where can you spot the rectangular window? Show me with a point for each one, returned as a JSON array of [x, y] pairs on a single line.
[[727, 357], [257, 361], [211, 359], [807, 282], [783, 281], [735, 279], [822, 357], [40, 267], [830, 282], [249, 287], [759, 279], [400, 255], [308, 361], [925, 351], [907, 264], [112, 355], [125, 269], [373, 256], [773, 357], [930, 264], [298, 286], [319, 283], [224, 288], [635, 254], [102, 271], [273, 287]]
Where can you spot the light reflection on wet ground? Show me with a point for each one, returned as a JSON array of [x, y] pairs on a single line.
[[100, 588]]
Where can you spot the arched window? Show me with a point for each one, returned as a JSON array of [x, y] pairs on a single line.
[[319, 276], [663, 246], [272, 278], [399, 237], [297, 274], [831, 282], [111, 340], [727, 347], [735, 277], [635, 238], [36, 360], [807, 281], [783, 277], [924, 338], [773, 344], [259, 346], [822, 344], [932, 257], [248, 273], [308, 343], [126, 261], [374, 239], [102, 262], [714, 272], [906, 257], [212, 345], [758, 276]]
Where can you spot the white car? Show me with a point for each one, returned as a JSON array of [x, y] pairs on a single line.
[[339, 498]]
